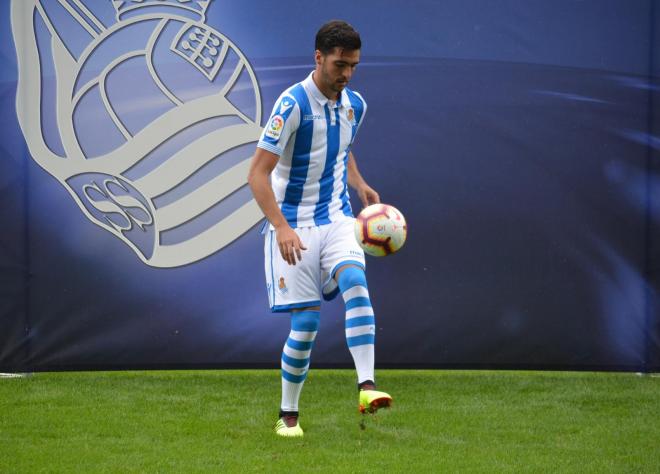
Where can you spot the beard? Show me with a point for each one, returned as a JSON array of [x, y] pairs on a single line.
[[336, 87], [339, 86], [334, 84]]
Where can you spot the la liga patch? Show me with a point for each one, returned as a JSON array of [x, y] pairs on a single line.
[[275, 127]]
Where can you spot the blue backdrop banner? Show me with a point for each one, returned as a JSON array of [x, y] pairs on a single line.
[[521, 140]]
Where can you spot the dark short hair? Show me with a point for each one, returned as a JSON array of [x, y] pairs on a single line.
[[337, 34]]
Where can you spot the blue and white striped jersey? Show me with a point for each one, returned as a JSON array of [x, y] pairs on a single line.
[[312, 136]]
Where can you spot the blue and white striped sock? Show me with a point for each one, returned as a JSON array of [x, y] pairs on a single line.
[[295, 356], [360, 322]]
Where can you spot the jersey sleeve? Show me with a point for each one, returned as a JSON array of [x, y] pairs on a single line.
[[282, 124]]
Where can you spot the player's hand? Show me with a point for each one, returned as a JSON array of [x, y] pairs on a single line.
[[367, 195], [289, 243]]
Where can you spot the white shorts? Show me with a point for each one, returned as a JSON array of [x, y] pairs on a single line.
[[302, 285]]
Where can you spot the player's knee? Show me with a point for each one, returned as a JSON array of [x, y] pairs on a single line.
[[351, 276], [305, 320]]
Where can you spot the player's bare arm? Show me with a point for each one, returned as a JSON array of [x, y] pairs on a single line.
[[365, 192], [262, 165]]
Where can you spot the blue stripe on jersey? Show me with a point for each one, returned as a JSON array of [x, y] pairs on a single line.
[[358, 109], [321, 212], [300, 158], [345, 202]]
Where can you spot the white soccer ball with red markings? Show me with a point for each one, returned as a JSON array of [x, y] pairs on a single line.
[[380, 229]]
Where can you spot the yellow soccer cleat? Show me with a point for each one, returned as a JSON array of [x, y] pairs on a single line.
[[281, 429], [372, 400]]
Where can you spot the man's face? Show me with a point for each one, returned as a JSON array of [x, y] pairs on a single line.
[[336, 68]]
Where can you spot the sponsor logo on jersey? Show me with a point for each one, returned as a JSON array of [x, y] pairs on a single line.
[[312, 117], [284, 106]]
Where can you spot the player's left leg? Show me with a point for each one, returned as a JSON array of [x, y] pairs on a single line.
[[360, 323], [361, 334], [342, 263]]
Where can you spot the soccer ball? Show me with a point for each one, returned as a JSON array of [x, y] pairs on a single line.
[[380, 229]]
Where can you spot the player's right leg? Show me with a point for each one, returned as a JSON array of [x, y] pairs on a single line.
[[295, 365], [294, 289]]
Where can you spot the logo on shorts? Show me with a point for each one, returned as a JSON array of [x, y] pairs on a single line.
[[275, 127], [282, 286]]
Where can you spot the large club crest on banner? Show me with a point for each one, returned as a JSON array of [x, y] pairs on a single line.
[[141, 120]]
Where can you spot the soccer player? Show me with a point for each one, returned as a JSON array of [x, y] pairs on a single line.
[[310, 248]]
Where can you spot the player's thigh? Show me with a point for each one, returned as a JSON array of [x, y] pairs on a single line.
[[338, 248], [296, 286]]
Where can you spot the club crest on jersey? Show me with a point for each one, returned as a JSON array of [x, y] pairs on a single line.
[[104, 87], [350, 115], [275, 127]]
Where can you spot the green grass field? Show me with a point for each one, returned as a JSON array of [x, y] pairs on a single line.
[[221, 421]]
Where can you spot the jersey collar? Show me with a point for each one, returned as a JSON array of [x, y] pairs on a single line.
[[311, 86]]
